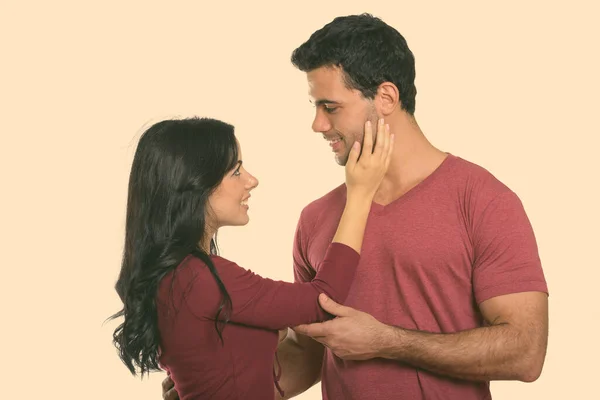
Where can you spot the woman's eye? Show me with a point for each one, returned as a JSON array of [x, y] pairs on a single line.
[[237, 173]]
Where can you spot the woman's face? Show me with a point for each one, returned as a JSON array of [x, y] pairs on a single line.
[[228, 205]]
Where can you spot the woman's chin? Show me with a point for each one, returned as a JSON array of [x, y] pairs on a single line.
[[244, 220]]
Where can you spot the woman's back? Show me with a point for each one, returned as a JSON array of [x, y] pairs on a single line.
[[191, 350]]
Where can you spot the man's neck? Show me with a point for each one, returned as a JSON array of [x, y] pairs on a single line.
[[413, 160]]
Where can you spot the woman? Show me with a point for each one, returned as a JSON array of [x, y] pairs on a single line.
[[211, 324]]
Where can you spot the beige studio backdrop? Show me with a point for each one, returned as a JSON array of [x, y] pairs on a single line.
[[511, 86]]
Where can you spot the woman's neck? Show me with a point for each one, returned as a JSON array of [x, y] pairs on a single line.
[[206, 241]]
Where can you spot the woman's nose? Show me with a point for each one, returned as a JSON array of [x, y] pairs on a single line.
[[252, 181]]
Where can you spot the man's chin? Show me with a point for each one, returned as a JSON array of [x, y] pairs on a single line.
[[341, 159]]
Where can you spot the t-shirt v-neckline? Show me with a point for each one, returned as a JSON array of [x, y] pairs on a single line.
[[378, 209]]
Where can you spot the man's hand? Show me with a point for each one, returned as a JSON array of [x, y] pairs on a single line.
[[353, 335], [282, 335], [168, 389]]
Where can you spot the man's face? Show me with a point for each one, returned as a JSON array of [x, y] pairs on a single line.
[[341, 113]]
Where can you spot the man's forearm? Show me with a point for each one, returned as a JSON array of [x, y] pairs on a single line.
[[300, 362], [496, 352]]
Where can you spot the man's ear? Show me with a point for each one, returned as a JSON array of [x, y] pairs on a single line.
[[387, 98]]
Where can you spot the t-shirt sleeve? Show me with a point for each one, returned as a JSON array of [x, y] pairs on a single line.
[[303, 271], [271, 304], [506, 258]]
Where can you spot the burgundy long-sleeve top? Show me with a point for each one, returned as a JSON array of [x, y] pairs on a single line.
[[243, 366]]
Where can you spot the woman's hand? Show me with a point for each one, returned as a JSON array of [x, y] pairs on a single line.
[[365, 171]]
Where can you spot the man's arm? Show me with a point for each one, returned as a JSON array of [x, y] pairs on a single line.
[[300, 359], [512, 347]]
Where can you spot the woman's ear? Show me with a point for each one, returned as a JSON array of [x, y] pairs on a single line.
[[387, 98]]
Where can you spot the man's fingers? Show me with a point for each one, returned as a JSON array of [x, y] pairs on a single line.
[[167, 383], [332, 307], [171, 395], [168, 387], [312, 330], [322, 340], [282, 335]]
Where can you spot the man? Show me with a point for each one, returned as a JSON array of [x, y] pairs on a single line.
[[450, 293]]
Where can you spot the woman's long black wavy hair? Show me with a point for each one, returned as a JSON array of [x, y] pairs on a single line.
[[176, 167]]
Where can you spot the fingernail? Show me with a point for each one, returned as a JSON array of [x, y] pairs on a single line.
[[368, 124], [381, 121], [356, 145]]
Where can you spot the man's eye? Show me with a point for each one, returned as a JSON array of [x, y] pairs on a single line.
[[236, 173], [330, 110]]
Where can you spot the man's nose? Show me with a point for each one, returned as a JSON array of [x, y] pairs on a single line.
[[321, 122]]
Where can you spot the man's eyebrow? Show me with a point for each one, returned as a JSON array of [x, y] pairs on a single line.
[[324, 101]]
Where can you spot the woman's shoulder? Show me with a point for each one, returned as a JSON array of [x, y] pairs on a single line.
[[193, 269], [193, 261], [193, 266]]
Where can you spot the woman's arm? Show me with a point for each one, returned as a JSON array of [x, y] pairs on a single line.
[[271, 304]]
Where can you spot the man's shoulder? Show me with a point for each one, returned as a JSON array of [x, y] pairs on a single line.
[[468, 168], [335, 198], [475, 179]]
